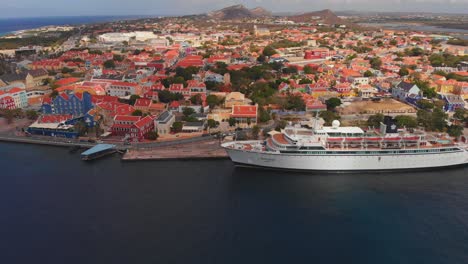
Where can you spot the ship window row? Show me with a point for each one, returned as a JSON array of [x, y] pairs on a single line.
[[372, 152], [312, 148]]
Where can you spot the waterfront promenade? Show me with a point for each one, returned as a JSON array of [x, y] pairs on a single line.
[[189, 148]]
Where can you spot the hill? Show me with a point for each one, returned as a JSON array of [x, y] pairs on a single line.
[[261, 12], [238, 12], [325, 16]]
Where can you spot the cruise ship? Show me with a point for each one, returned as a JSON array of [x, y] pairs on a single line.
[[336, 148]]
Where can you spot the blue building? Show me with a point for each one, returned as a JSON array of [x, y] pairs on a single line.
[[73, 104], [452, 102], [53, 126]]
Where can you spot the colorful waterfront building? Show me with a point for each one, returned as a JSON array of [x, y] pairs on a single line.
[[135, 128], [6, 102], [73, 104], [19, 96]]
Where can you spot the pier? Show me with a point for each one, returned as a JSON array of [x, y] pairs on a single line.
[[190, 151], [98, 151]]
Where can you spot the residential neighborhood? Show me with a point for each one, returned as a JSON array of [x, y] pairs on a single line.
[[175, 78]]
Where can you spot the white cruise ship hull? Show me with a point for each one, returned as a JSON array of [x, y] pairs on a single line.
[[346, 162]]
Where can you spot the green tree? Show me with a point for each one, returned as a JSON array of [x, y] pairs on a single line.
[[31, 114], [368, 74], [329, 117], [152, 135], [268, 51], [406, 121], [294, 102], [393, 42], [133, 99], [232, 122], [439, 119], [263, 115], [211, 123], [308, 69], [375, 120], [255, 131], [425, 104], [425, 88], [403, 71], [261, 58], [212, 101], [196, 99], [188, 111], [375, 63], [424, 118], [187, 73], [137, 113], [54, 94], [305, 81], [66, 70], [165, 96], [455, 131], [118, 57], [333, 103], [461, 115], [177, 127], [281, 125], [109, 64]]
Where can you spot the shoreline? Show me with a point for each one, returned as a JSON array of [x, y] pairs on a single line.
[[67, 21]]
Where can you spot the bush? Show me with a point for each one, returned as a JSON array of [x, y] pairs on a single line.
[[152, 135], [177, 127], [375, 120]]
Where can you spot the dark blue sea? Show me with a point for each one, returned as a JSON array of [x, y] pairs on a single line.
[[55, 208], [13, 24]]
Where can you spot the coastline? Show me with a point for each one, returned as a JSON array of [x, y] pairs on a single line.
[[17, 25]]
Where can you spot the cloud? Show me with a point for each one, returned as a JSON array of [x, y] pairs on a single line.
[[24, 8]]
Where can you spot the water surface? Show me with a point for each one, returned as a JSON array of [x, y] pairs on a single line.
[[54, 208]]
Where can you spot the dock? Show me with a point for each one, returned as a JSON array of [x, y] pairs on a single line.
[[98, 151], [190, 151]]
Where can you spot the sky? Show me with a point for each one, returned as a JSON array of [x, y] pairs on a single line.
[[35, 8]]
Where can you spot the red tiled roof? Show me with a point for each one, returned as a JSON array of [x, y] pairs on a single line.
[[126, 118], [54, 118], [141, 102], [244, 111], [15, 90], [66, 81], [124, 84], [144, 121]]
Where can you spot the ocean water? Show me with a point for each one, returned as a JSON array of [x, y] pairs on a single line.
[[55, 208], [461, 33], [13, 24]]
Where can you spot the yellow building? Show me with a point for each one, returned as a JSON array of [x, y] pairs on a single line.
[[236, 98], [445, 87]]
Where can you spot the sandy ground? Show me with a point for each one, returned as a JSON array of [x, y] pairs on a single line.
[[369, 107]]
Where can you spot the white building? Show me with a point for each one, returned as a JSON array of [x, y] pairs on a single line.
[[122, 89], [121, 37]]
